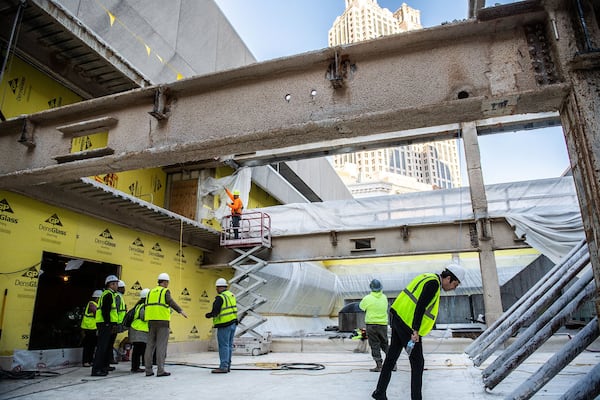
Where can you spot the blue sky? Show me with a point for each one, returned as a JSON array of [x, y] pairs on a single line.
[[281, 28]]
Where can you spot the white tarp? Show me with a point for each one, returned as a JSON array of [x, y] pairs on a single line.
[[545, 212], [530, 205]]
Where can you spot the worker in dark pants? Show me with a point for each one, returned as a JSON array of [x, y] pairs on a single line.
[[375, 305], [236, 207], [413, 316], [89, 330], [106, 323]]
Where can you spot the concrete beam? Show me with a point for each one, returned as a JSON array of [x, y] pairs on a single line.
[[448, 74], [436, 238]]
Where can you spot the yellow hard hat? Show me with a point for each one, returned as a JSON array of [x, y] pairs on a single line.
[[236, 192]]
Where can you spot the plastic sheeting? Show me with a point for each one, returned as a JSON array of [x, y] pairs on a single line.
[[302, 296], [240, 180], [547, 209], [306, 289]]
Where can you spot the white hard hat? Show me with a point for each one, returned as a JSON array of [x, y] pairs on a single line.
[[144, 293], [121, 283], [111, 278], [97, 294], [458, 271], [164, 277], [221, 282]]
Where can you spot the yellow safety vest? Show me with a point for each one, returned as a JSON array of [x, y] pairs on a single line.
[[228, 310], [139, 324], [121, 307], [89, 318], [406, 303], [114, 316], [157, 308]]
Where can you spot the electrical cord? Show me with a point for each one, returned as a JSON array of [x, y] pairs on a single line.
[[265, 367], [26, 374]]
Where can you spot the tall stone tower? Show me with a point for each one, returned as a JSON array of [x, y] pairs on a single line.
[[399, 169]]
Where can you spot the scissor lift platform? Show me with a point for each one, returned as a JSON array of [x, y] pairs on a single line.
[[253, 235]]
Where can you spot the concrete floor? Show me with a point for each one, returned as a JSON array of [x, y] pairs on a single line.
[[448, 375]]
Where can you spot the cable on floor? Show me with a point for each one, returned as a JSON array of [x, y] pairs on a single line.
[[25, 374], [265, 366]]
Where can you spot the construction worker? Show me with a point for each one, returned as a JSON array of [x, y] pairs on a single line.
[[158, 306], [224, 315], [413, 316], [121, 311], [375, 305], [107, 320], [88, 328], [121, 306], [138, 332], [236, 207]]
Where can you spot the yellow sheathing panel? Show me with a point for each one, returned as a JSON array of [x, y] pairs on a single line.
[[146, 184], [89, 142], [25, 90], [259, 198], [29, 227]]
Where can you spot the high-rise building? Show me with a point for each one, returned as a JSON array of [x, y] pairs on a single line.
[[429, 165]]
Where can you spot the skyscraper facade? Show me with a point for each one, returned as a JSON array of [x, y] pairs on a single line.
[[429, 165]]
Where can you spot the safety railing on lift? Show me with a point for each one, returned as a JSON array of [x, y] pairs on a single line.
[[254, 230]]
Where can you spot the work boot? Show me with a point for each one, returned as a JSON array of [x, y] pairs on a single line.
[[378, 366], [377, 395]]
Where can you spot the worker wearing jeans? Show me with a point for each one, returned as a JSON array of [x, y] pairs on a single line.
[[224, 315]]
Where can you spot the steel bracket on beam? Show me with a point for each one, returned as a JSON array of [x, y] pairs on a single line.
[[484, 228], [333, 237], [26, 138], [404, 232], [161, 104], [339, 70]]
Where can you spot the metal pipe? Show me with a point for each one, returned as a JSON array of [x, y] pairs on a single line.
[[528, 314], [557, 362], [526, 301], [542, 320], [588, 387], [586, 33], [535, 336], [18, 17]]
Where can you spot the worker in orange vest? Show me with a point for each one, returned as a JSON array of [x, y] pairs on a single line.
[[236, 207]]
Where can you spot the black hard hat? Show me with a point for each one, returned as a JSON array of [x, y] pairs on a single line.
[[375, 285]]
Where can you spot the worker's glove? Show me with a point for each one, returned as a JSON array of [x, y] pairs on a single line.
[[120, 328], [114, 328], [207, 315]]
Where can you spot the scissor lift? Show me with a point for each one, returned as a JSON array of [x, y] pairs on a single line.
[[253, 236]]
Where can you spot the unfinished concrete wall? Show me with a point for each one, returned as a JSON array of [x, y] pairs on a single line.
[[165, 39]]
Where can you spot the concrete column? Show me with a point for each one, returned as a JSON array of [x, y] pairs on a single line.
[[487, 261], [577, 44]]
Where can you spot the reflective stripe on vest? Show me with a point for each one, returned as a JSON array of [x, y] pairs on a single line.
[[157, 308], [139, 324], [228, 310], [89, 318], [121, 307], [114, 317], [406, 303]]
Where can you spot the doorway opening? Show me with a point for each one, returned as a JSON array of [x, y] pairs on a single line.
[[65, 286]]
